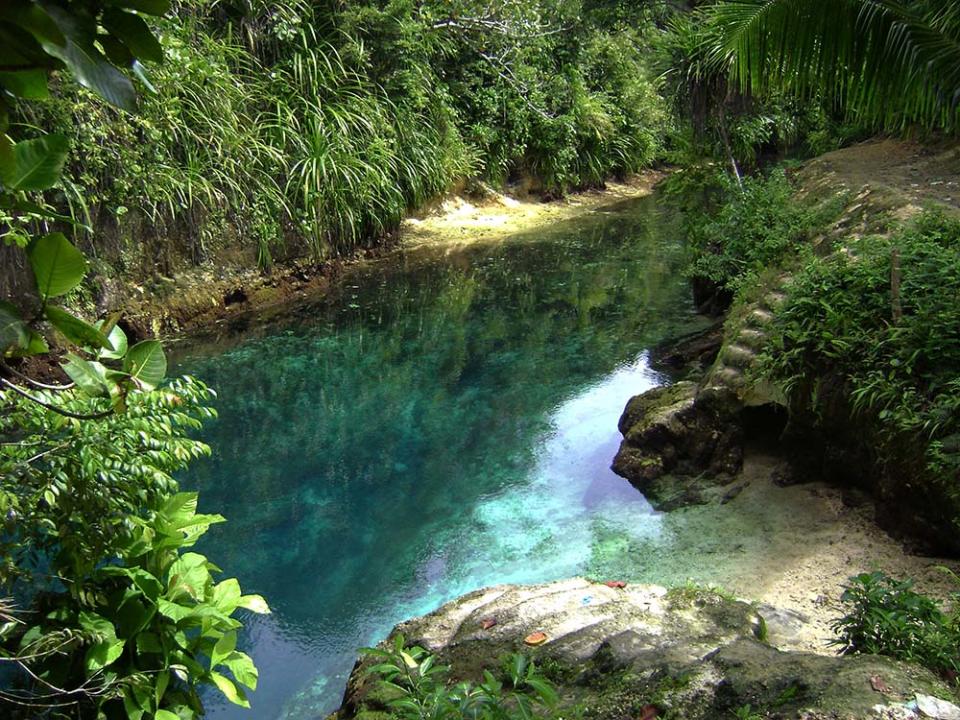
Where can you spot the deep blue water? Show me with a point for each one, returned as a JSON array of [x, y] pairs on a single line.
[[442, 421]]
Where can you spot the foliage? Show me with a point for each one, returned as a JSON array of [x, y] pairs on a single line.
[[749, 228], [117, 620], [888, 63], [714, 118], [420, 691], [896, 353], [292, 126], [884, 616]]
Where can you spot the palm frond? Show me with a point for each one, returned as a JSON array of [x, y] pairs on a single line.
[[889, 63]]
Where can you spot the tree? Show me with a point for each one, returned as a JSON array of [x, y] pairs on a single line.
[[889, 63]]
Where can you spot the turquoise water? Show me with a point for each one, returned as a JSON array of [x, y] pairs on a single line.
[[444, 420]]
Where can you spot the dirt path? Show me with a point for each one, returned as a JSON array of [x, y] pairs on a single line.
[[885, 175]]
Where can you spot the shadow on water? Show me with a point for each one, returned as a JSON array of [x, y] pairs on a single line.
[[441, 422]]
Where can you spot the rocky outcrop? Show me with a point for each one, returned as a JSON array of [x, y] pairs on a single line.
[[618, 652], [683, 444]]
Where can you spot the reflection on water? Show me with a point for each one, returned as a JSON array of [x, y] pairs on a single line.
[[440, 423]]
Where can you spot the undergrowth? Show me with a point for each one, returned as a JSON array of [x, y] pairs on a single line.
[[884, 616], [281, 128], [892, 345]]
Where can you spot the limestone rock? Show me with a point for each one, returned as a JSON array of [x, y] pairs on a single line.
[[680, 442], [692, 653]]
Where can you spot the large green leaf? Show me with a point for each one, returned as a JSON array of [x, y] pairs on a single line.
[[26, 84], [89, 376], [229, 690], [102, 654], [57, 265], [118, 341], [35, 345], [146, 363], [135, 34], [88, 65], [243, 669], [254, 603], [76, 330], [189, 576], [36, 164], [223, 648], [13, 330]]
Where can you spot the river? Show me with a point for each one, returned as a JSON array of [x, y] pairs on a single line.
[[443, 420]]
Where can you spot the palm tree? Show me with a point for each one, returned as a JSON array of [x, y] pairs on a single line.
[[890, 63]]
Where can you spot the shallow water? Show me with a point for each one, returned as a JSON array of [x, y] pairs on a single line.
[[441, 422]]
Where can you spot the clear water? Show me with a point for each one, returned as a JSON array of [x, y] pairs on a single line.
[[444, 420]]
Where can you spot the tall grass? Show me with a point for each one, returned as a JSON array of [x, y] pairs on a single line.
[[291, 126]]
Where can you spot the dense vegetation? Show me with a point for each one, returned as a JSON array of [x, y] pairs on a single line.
[[277, 129], [283, 127]]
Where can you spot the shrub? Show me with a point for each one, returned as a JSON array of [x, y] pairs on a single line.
[[887, 617], [896, 352], [419, 690], [748, 229]]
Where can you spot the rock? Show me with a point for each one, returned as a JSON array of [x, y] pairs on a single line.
[[931, 707], [690, 653], [680, 443]]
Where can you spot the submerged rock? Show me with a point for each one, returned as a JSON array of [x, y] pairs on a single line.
[[691, 653]]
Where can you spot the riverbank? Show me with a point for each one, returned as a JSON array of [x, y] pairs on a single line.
[[204, 297]]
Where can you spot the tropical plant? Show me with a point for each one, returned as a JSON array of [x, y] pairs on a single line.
[[108, 616], [888, 62], [887, 617], [417, 690]]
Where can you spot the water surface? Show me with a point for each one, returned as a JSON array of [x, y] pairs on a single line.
[[444, 420]]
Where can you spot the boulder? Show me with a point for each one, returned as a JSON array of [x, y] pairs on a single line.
[[681, 443], [612, 652]]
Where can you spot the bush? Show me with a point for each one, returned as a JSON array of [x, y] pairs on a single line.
[[418, 689], [748, 229], [113, 614], [886, 617], [895, 352]]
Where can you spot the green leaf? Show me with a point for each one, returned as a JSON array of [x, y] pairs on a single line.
[[226, 595], [134, 33], [229, 690], [74, 329], [118, 343], [148, 643], [165, 715], [26, 84], [91, 69], [146, 363], [57, 265], [221, 651], [36, 345], [254, 603], [13, 330], [243, 669], [89, 376], [37, 163], [188, 575], [181, 506]]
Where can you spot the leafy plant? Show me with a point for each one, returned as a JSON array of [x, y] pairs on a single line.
[[890, 63], [894, 351], [887, 617], [750, 227], [418, 689]]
